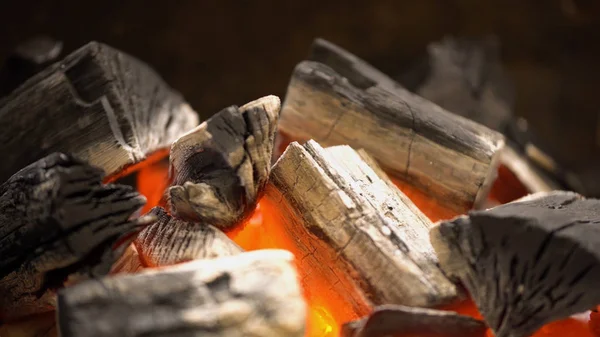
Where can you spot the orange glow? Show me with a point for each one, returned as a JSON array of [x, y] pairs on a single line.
[[569, 327], [430, 207], [594, 323], [265, 230], [127, 170], [152, 181], [326, 313], [507, 187]]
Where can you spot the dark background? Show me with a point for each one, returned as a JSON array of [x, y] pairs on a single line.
[[219, 53]]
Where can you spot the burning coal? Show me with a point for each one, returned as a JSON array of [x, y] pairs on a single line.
[[354, 208]]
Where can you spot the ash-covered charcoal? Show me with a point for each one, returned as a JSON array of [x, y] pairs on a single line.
[[169, 241], [347, 102], [58, 223], [526, 263], [399, 320], [98, 104], [28, 58], [356, 230], [250, 294], [466, 77], [220, 168]]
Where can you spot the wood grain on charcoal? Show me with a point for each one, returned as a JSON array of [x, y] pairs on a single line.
[[356, 229], [59, 223], [169, 241], [250, 294], [399, 320], [221, 167], [99, 104], [449, 157], [526, 263]]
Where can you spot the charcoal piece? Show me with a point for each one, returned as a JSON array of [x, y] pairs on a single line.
[[250, 294], [413, 139], [99, 104], [169, 241], [220, 168], [399, 320], [528, 262], [59, 224], [356, 230]]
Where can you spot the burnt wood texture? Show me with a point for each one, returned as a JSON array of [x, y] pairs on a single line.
[[99, 104], [356, 230], [169, 241], [221, 167], [347, 102], [399, 320], [526, 263], [252, 294], [59, 223]]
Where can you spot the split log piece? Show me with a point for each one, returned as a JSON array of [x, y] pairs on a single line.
[[528, 262], [99, 104], [357, 230], [220, 168], [59, 223], [399, 320], [449, 157], [169, 241], [250, 294], [465, 76]]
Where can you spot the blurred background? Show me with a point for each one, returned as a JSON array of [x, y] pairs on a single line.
[[219, 53]]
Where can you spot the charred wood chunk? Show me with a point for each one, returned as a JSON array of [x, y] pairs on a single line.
[[221, 167], [358, 72], [466, 77], [100, 104], [169, 241], [58, 223], [29, 58], [428, 147], [251, 294], [356, 230], [526, 263], [399, 320]]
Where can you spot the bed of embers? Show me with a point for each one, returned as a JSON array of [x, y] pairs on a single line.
[[352, 207]]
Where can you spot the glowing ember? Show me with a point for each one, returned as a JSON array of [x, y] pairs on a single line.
[[430, 207], [507, 187], [264, 230], [150, 159], [152, 181], [570, 327], [594, 323], [326, 314]]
